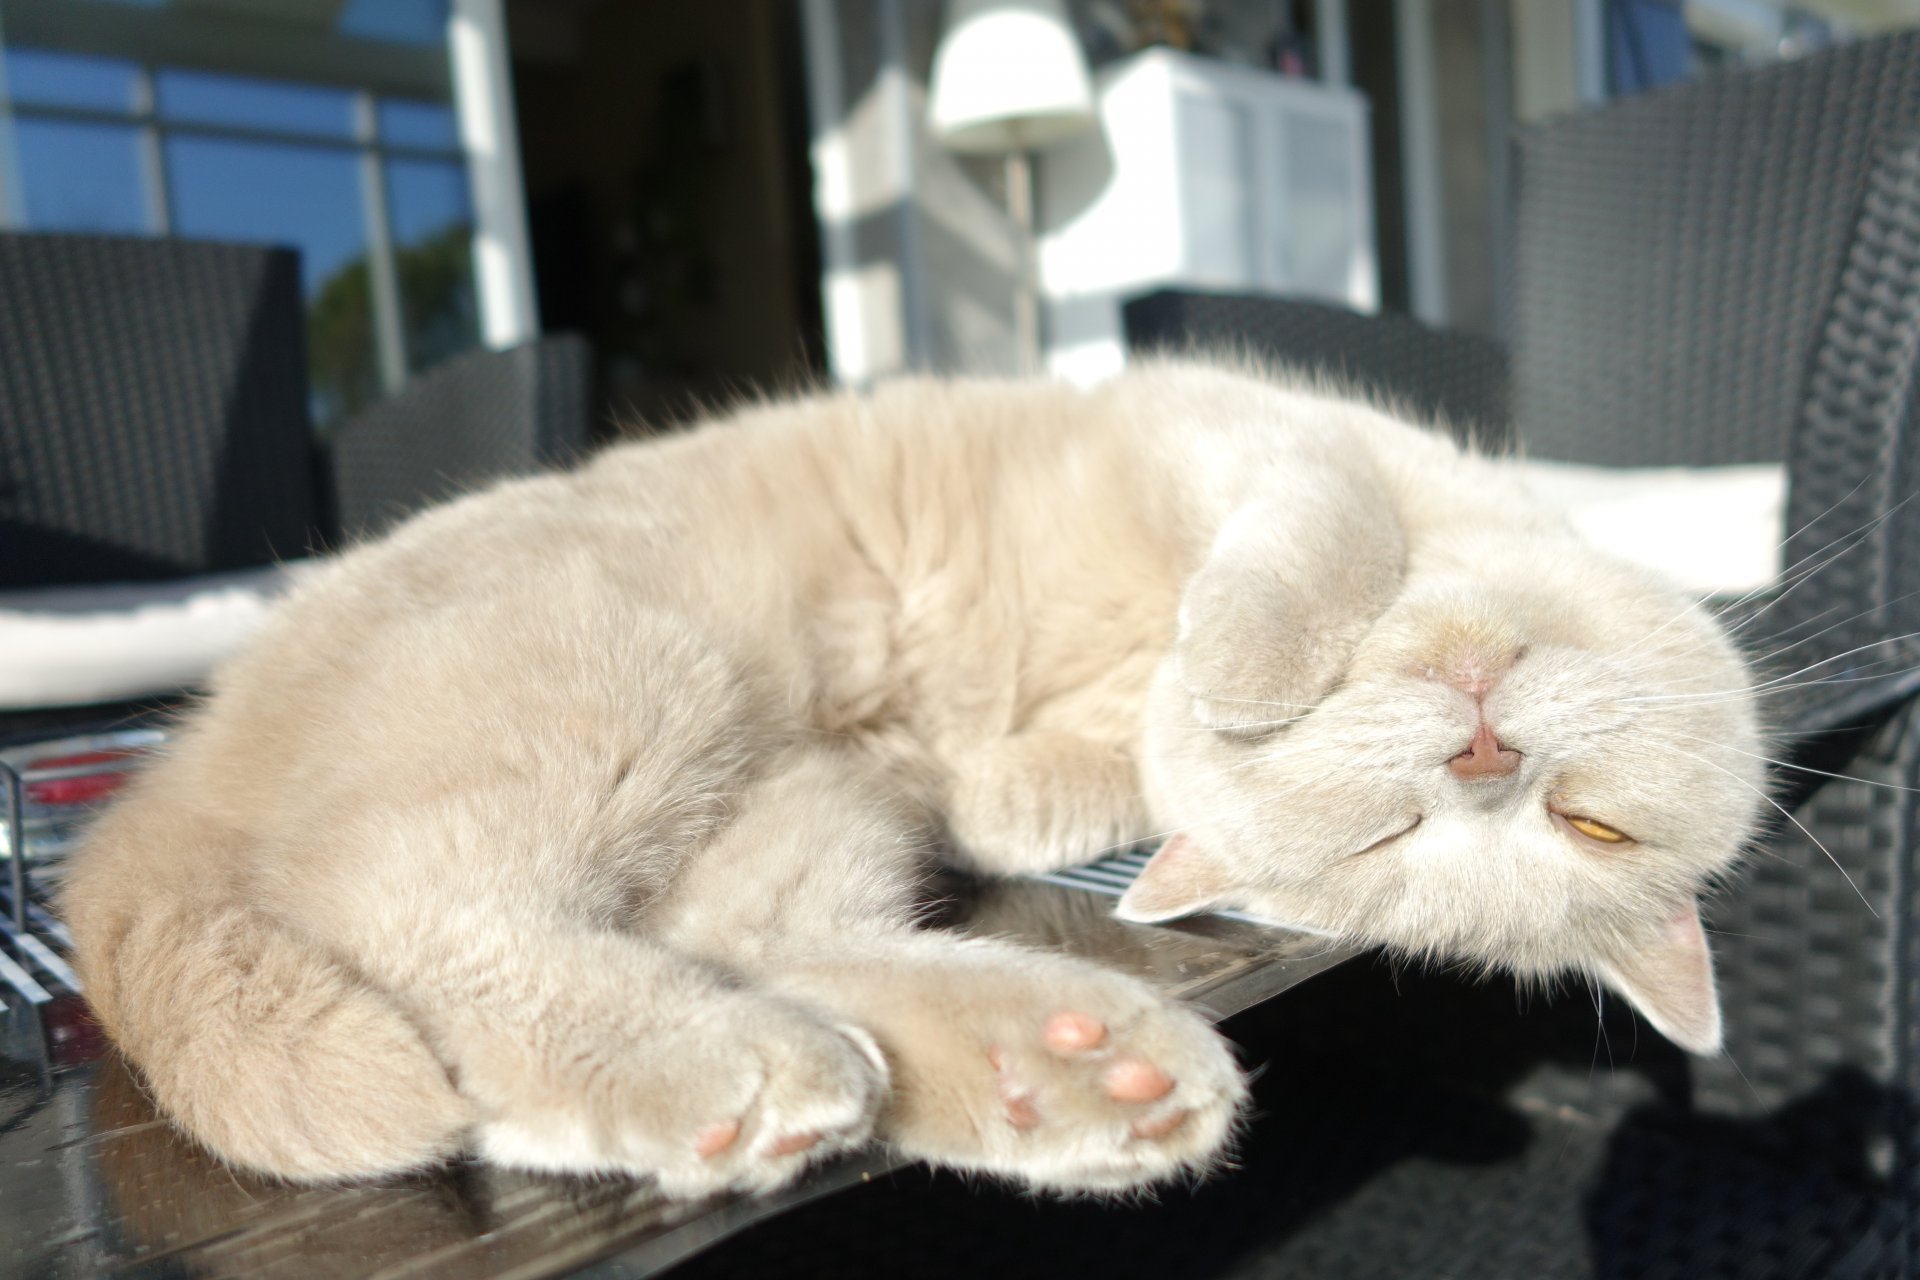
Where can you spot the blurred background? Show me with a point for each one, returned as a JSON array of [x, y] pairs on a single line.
[[744, 192], [515, 218]]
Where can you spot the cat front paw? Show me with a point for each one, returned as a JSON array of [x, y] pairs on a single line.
[[1035, 802], [741, 1100]]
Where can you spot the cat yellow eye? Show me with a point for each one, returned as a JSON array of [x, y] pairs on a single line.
[[1595, 830]]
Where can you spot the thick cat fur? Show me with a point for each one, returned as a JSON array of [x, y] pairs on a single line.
[[579, 822]]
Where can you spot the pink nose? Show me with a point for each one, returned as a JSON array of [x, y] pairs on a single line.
[[1477, 681], [1485, 757]]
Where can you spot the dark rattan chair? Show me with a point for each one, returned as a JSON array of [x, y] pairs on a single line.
[[1436, 374], [1675, 256], [154, 438], [153, 414], [478, 417]]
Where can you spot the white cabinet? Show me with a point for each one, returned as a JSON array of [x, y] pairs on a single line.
[[1204, 174]]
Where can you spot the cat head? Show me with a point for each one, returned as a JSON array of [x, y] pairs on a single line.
[[1535, 760]]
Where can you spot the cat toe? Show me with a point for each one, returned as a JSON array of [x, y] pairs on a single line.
[[793, 1144], [1072, 1032], [1136, 1080], [811, 1105], [1162, 1125], [715, 1138]]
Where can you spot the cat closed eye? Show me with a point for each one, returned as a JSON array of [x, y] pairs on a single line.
[[1593, 830]]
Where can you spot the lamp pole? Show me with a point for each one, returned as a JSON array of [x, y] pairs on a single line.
[[1026, 286], [1009, 79]]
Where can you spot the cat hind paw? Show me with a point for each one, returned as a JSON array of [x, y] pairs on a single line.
[[1108, 1087], [746, 1112]]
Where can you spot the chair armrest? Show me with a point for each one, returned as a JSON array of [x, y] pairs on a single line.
[[478, 417], [73, 646], [1459, 379]]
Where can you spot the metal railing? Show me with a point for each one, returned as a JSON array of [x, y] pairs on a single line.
[[48, 791]]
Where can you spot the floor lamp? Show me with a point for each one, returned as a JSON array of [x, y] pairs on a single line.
[[1009, 79]]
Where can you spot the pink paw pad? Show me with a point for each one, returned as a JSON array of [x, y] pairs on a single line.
[[794, 1144], [1160, 1126], [715, 1138], [1021, 1112], [1071, 1032], [1135, 1080]]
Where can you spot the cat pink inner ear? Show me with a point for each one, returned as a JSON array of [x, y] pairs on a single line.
[[1179, 880], [1669, 979]]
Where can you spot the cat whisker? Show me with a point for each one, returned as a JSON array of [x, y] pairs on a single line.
[[1788, 571], [1780, 680], [1680, 701], [1242, 724], [1097, 854], [1832, 507], [1791, 580], [1796, 822], [1600, 1040], [1265, 702], [1851, 538], [1796, 577], [1800, 768], [1728, 1054], [1799, 641], [1793, 576], [1698, 645]]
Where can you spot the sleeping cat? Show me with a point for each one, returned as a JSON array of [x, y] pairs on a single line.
[[579, 823]]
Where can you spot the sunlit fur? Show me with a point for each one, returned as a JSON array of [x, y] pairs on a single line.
[[583, 818], [1623, 697], [1486, 874]]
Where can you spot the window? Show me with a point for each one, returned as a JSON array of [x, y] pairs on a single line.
[[363, 174]]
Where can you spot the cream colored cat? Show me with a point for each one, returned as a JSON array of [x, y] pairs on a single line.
[[579, 822]]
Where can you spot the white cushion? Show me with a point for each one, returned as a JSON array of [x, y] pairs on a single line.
[[1714, 530], [68, 646]]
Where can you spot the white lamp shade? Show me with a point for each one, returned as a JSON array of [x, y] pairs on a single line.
[[1008, 76]]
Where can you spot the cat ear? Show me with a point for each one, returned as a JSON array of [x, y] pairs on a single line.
[[1180, 880], [1669, 979]]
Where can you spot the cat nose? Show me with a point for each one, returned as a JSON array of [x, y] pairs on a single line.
[[1475, 676], [1485, 757]]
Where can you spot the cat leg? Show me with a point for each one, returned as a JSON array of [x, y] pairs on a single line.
[[584, 1051], [492, 917], [1038, 801], [1295, 577], [1004, 1060]]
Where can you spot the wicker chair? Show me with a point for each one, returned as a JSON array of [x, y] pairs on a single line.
[[153, 414], [154, 421], [1460, 379], [157, 460], [478, 417]]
